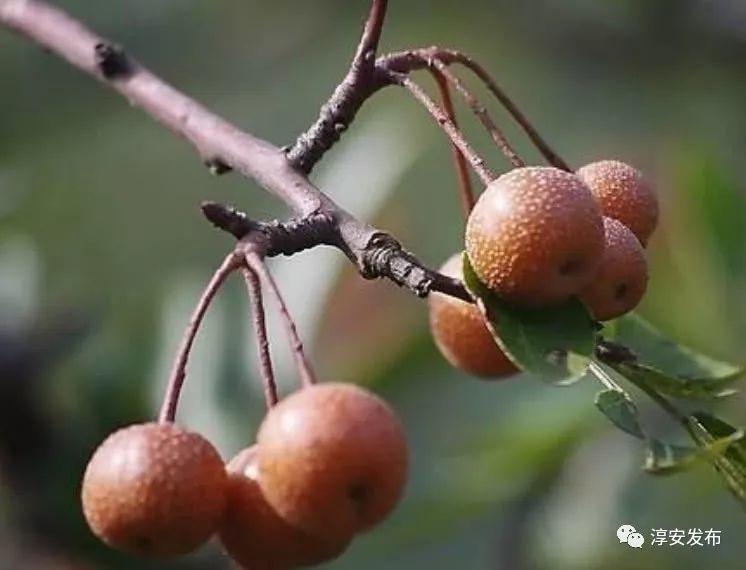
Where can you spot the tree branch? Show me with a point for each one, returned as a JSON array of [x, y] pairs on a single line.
[[339, 111], [223, 146]]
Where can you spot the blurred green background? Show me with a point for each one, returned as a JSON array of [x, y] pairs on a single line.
[[103, 253]]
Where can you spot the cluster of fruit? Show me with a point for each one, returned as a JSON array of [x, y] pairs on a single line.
[[540, 235], [330, 461]]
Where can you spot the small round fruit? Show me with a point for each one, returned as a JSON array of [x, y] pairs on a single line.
[[332, 460], [624, 195], [461, 334], [535, 235], [252, 532], [154, 489], [621, 277]]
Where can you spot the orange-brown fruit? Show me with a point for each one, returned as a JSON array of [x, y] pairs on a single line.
[[252, 532], [535, 235], [154, 489], [624, 195], [332, 460], [621, 277], [461, 334]]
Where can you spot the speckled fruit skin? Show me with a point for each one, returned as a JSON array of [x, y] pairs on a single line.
[[461, 335], [252, 532], [621, 277], [624, 195], [535, 235], [154, 490], [332, 459]]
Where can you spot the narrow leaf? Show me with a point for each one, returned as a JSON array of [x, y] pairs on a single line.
[[718, 429], [706, 429], [666, 459], [657, 351], [555, 343], [677, 387]]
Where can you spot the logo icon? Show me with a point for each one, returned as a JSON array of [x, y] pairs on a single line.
[[635, 540], [627, 533], [624, 531]]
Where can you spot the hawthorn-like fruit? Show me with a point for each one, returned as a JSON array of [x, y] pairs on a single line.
[[461, 334], [621, 277], [252, 532], [154, 489], [624, 195], [333, 460], [535, 235]]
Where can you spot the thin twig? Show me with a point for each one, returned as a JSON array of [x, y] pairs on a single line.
[[339, 111], [178, 371], [260, 332], [441, 117], [479, 110], [305, 370], [368, 46], [462, 170]]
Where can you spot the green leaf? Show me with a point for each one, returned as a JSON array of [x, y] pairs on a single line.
[[554, 343], [707, 430], [666, 459], [657, 351], [717, 429], [621, 410], [677, 387]]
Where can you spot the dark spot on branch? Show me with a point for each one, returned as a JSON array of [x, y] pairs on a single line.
[[217, 166], [112, 61]]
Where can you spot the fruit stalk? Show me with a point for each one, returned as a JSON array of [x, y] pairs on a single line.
[[449, 127], [542, 146], [410, 60], [260, 332], [462, 171], [305, 370], [178, 371], [479, 110]]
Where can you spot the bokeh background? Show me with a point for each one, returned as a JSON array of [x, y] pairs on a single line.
[[103, 253]]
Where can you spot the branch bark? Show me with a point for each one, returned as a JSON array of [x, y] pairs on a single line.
[[336, 115], [223, 146]]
